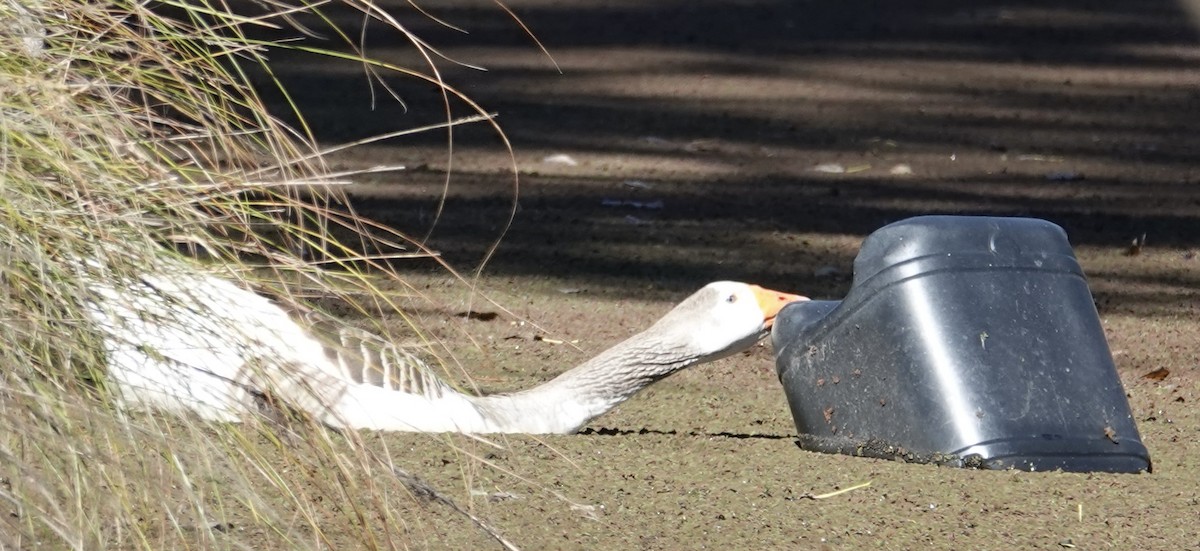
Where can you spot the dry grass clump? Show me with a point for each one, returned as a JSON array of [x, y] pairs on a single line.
[[130, 138]]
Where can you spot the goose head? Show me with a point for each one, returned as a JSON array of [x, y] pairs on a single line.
[[722, 318]]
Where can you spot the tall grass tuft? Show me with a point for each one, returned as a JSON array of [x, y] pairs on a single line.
[[130, 138]]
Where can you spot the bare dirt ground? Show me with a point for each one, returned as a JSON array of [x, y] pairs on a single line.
[[1083, 113]]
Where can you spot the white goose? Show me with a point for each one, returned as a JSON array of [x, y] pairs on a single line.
[[193, 342]]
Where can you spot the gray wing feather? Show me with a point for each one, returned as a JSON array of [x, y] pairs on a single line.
[[367, 358]]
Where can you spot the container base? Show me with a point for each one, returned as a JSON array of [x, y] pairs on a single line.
[[963, 341]]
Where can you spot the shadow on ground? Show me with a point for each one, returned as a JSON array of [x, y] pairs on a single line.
[[1079, 112]]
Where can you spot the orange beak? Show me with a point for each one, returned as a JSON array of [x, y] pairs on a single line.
[[771, 302]]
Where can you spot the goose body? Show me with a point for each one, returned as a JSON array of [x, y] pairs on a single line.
[[191, 342]]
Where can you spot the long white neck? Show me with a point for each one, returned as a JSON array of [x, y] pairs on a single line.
[[567, 402], [561, 405]]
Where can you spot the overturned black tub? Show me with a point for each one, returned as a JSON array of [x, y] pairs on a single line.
[[967, 341]]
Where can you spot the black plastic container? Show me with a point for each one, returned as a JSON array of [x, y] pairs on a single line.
[[968, 341]]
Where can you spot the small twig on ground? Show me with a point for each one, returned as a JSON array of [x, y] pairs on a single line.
[[810, 495], [424, 490]]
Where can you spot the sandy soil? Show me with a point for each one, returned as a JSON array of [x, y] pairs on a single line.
[[1083, 113]]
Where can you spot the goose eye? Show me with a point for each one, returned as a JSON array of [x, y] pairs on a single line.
[[731, 299]]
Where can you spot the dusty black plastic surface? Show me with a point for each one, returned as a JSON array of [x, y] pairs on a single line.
[[968, 341]]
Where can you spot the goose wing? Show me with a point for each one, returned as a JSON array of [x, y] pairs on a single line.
[[365, 358]]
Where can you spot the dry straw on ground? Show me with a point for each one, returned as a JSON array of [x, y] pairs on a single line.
[[130, 139]]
